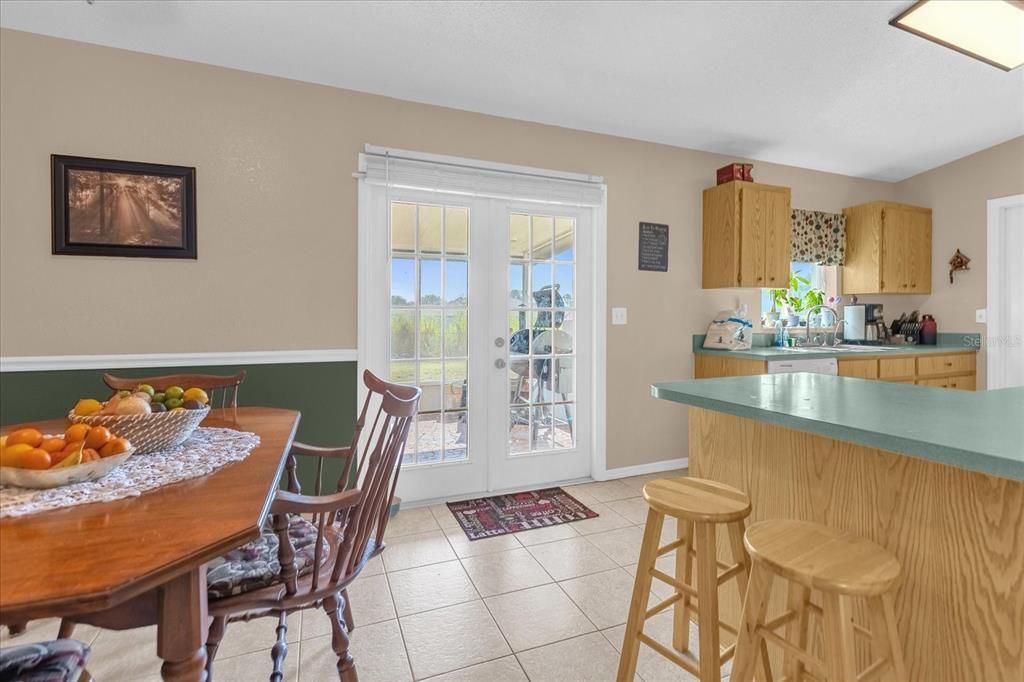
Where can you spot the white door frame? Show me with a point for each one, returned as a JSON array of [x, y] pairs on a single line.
[[996, 346], [367, 257]]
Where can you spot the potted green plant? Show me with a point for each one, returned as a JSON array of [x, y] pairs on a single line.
[[793, 302]]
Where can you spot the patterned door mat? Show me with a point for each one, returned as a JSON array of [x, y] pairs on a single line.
[[486, 517]]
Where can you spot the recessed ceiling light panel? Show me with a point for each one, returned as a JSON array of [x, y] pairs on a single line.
[[989, 30]]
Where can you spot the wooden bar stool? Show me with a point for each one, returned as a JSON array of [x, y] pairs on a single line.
[[698, 505], [843, 567]]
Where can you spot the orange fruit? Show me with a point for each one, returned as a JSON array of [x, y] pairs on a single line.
[[57, 457], [87, 406], [10, 456], [28, 436], [76, 432], [90, 455], [36, 458], [115, 447], [53, 445], [98, 437]]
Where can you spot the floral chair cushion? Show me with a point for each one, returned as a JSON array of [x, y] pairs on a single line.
[[256, 564], [55, 661]]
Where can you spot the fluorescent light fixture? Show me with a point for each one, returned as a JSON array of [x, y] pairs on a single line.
[[989, 30]]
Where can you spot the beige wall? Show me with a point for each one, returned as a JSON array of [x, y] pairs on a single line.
[[958, 194], [277, 216]]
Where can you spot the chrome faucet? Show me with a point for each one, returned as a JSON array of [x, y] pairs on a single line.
[[807, 331]]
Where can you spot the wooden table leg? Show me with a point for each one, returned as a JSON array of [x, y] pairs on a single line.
[[181, 627]]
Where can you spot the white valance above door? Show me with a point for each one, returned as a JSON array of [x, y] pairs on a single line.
[[430, 172]]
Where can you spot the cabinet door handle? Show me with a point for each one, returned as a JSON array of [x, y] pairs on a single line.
[[949, 364]]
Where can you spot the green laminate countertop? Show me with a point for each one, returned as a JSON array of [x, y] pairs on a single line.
[[976, 430], [811, 352]]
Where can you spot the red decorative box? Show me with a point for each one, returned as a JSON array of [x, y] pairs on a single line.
[[735, 171]]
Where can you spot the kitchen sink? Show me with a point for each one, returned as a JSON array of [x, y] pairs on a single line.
[[841, 348]]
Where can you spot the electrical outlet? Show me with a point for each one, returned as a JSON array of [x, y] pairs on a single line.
[[981, 315], [618, 316]]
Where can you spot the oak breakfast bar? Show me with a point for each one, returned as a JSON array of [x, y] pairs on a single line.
[[935, 476]]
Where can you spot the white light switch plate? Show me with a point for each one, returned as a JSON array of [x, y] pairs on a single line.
[[618, 316], [981, 315]]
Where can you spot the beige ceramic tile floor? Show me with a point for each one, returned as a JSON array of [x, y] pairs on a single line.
[[548, 604]]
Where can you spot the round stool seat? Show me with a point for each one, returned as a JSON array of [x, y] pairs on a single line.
[[697, 499], [823, 558]]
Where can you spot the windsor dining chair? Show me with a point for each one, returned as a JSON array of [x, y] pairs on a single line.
[[318, 544]]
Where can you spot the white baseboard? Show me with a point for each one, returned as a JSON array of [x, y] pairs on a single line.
[[641, 469], [44, 363]]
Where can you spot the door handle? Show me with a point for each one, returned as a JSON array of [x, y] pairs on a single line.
[[499, 341], [499, 363]]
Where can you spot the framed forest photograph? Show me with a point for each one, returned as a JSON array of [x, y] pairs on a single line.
[[103, 207]]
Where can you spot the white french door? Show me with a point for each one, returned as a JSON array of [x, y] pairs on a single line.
[[539, 403], [486, 304]]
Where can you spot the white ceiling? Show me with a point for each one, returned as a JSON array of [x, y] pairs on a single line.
[[823, 85]]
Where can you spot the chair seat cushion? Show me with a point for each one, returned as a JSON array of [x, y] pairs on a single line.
[[55, 661], [256, 565]]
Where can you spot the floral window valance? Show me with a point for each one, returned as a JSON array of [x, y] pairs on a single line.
[[818, 237]]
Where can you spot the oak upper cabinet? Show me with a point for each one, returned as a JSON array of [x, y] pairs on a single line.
[[746, 236], [888, 249]]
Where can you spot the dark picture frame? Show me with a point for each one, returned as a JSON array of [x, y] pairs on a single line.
[[105, 207]]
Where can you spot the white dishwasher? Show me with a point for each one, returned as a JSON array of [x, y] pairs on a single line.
[[815, 365]]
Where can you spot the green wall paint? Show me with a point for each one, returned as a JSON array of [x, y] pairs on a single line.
[[324, 392]]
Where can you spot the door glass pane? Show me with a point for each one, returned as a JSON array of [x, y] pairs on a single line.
[[541, 322], [403, 281], [456, 230], [456, 333], [430, 325], [455, 422], [430, 282], [517, 285], [518, 236], [519, 430], [542, 234], [403, 334], [540, 284], [456, 278], [564, 286], [430, 333], [430, 229], [403, 227], [565, 239]]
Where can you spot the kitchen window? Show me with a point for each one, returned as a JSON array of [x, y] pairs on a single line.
[[810, 283]]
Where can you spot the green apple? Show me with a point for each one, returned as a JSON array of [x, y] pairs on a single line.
[[145, 388], [175, 392], [171, 403], [159, 397]]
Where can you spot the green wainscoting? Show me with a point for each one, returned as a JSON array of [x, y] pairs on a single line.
[[324, 392]]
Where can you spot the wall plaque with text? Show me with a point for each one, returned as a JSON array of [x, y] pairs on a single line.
[[654, 247]]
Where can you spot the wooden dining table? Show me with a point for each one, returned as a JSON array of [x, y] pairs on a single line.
[[141, 560]]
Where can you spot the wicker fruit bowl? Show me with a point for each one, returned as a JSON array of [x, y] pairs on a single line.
[[148, 432]]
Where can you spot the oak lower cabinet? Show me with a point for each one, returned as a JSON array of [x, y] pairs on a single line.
[[888, 249], [860, 369], [747, 229], [952, 370], [707, 366]]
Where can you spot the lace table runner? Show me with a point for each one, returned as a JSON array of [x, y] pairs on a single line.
[[206, 450]]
